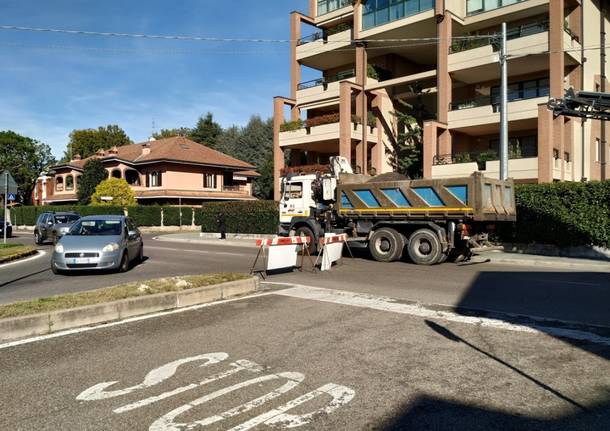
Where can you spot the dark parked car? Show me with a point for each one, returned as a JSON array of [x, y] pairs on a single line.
[[9, 229], [53, 225]]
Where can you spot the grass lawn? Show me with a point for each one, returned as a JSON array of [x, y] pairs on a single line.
[[115, 293], [10, 252]]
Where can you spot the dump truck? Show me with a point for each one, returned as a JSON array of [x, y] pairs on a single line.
[[432, 220]]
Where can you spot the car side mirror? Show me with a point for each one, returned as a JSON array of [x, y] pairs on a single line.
[[50, 223], [133, 234]]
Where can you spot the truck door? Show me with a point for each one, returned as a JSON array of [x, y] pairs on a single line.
[[294, 204]]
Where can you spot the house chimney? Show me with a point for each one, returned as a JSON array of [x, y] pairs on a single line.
[[76, 158], [101, 152], [146, 149], [113, 150]]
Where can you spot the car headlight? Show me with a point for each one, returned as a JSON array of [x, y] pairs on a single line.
[[110, 247], [59, 248]]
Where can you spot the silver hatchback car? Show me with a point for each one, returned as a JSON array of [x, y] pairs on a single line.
[[97, 243]]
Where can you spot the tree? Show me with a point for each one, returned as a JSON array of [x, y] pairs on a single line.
[[170, 133], [406, 155], [25, 158], [87, 142], [93, 174], [206, 131], [115, 188]]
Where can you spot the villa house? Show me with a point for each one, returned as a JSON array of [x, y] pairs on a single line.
[[166, 171]]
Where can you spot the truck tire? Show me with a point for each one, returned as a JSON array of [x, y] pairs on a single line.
[[305, 231], [424, 247], [386, 245]]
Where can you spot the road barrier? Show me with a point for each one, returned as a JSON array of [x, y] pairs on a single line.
[[331, 247], [281, 253]]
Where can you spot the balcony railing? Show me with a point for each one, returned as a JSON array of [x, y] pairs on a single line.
[[234, 189], [479, 6], [327, 80], [311, 38], [482, 157], [478, 41], [523, 90], [379, 12], [328, 6]]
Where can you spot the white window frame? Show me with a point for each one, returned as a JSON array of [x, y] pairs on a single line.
[[214, 179]]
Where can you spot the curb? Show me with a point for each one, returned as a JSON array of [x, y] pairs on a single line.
[[46, 323], [560, 262], [244, 242], [17, 257]]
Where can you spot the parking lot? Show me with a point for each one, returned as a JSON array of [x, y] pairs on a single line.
[[365, 346]]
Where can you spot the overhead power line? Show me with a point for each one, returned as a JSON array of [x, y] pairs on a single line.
[[211, 39]]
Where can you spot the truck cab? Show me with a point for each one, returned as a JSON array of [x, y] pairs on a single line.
[[296, 203]]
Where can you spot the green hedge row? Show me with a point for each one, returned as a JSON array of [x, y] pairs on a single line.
[[142, 215], [563, 214], [254, 217]]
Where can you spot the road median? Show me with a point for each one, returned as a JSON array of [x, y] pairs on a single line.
[[47, 315], [12, 252]]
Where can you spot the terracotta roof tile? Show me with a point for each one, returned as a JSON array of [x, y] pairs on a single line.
[[177, 149]]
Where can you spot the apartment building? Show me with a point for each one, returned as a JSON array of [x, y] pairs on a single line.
[[370, 57], [165, 171]]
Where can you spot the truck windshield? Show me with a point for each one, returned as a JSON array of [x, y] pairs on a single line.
[[294, 191]]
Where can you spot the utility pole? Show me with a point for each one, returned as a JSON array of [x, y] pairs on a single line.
[[5, 203], [504, 107]]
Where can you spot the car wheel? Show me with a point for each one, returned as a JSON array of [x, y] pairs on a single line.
[[37, 238], [141, 254], [55, 270], [386, 245], [124, 267], [424, 247]]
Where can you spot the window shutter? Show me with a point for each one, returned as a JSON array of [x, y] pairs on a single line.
[[147, 180], [160, 179]]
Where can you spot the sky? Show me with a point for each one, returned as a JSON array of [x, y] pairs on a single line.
[[51, 84]]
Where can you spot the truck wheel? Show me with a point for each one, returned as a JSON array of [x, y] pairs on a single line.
[[386, 245], [424, 247], [305, 231]]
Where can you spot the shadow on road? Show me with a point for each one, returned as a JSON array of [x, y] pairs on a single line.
[[24, 277]]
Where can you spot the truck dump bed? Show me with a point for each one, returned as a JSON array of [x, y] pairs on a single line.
[[474, 198]]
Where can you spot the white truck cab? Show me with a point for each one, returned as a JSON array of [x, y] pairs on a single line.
[[297, 197]]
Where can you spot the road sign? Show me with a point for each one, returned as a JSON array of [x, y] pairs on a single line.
[[11, 197], [5, 178]]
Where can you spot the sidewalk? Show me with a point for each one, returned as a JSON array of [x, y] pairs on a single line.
[[544, 261], [235, 240]]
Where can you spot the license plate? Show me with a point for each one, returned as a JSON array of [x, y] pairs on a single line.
[[79, 260]]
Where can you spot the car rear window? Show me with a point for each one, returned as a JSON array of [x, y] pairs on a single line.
[[66, 218]]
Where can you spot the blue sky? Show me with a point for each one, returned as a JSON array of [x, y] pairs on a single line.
[[51, 84]]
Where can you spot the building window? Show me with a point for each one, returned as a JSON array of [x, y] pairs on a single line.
[[209, 181], [59, 184], [566, 157], [379, 12], [69, 182], [478, 6], [155, 179], [598, 149], [132, 177], [326, 6], [116, 173]]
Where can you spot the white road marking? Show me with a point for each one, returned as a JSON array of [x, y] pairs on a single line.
[[340, 395], [154, 377], [241, 365], [39, 254], [123, 322], [166, 422], [209, 252], [382, 303]]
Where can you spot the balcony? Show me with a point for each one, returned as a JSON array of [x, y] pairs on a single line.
[[322, 52], [475, 112], [235, 189], [518, 169], [478, 41], [330, 11], [323, 136], [328, 6]]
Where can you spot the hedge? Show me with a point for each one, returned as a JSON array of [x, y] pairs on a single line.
[[563, 214], [145, 215], [171, 216], [27, 215], [252, 217]]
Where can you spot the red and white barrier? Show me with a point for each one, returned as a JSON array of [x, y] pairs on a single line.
[[280, 253], [331, 249]]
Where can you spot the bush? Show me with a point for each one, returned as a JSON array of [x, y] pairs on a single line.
[[563, 214], [251, 217], [145, 215], [322, 119], [115, 188], [171, 216], [290, 126]]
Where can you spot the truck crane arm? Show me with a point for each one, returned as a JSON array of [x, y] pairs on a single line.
[[582, 104]]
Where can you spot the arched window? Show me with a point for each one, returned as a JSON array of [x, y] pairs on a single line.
[[116, 173], [155, 179], [69, 182], [59, 184], [132, 177], [77, 181]]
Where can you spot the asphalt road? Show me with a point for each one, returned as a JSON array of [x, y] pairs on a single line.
[[367, 346]]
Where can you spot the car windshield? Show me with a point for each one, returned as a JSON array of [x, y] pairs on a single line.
[[96, 228], [66, 218]]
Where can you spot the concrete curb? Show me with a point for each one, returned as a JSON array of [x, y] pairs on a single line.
[[54, 321], [557, 262], [232, 242]]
